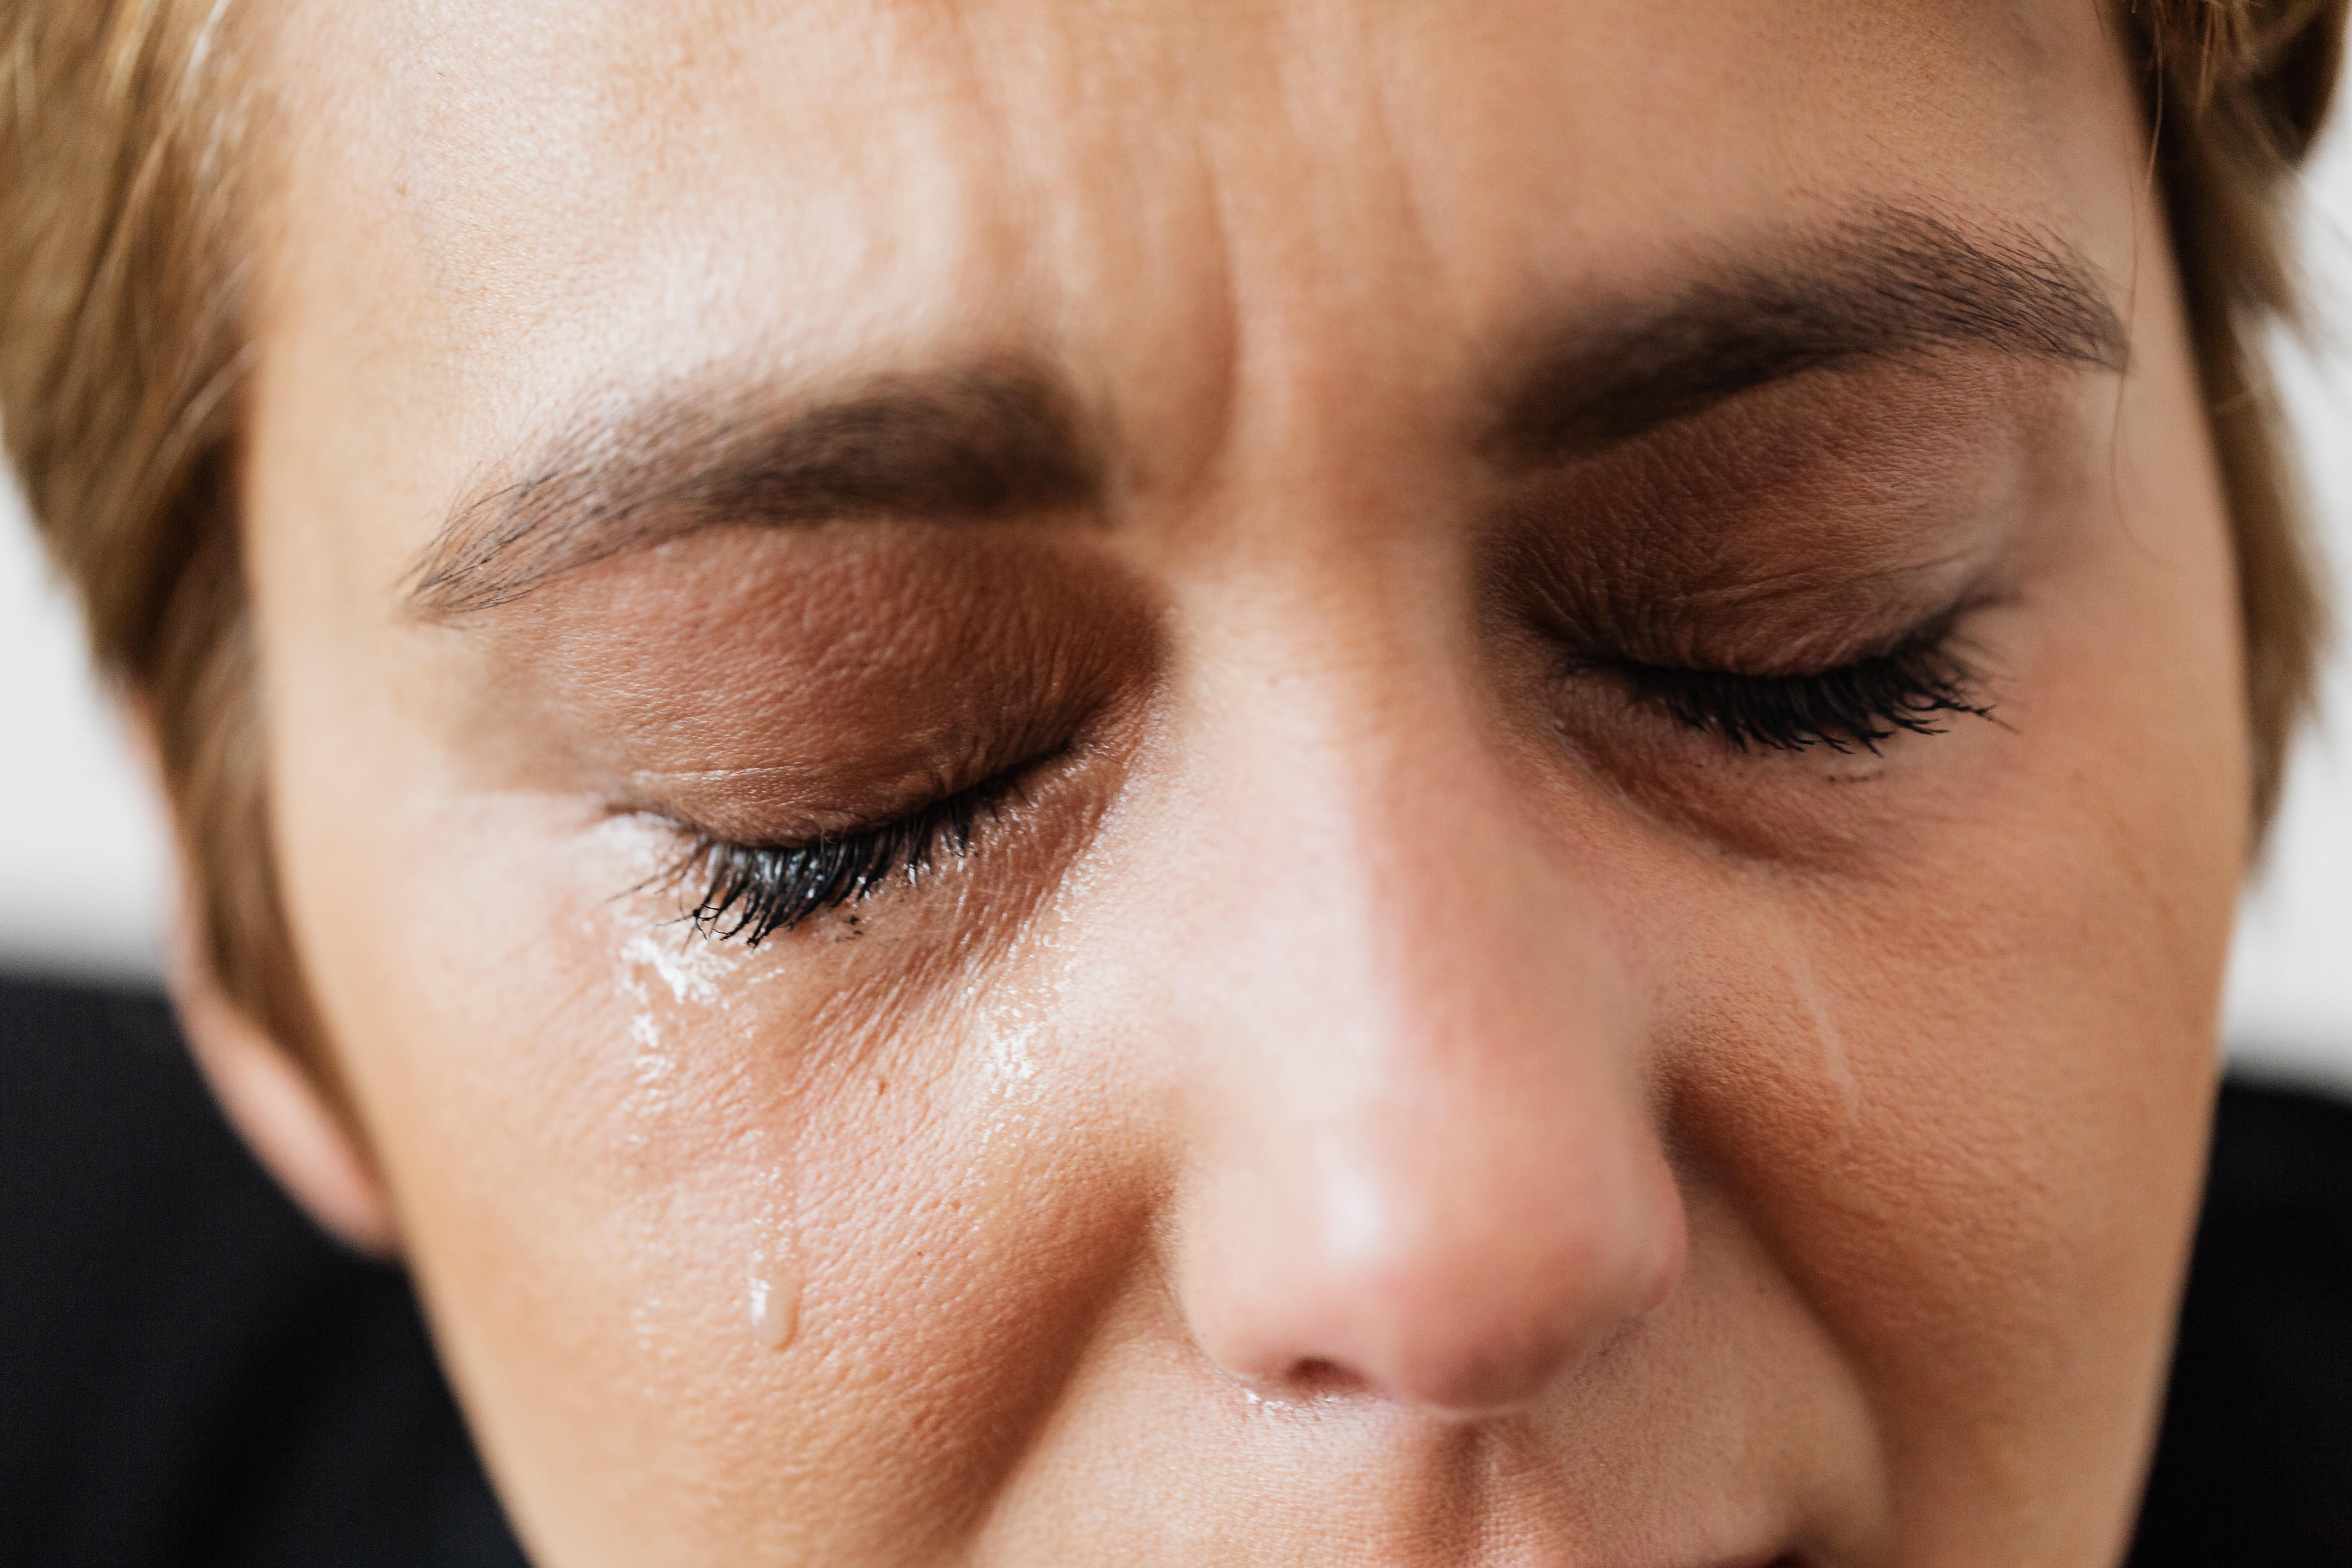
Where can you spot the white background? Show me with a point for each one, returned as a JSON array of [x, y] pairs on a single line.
[[82, 879]]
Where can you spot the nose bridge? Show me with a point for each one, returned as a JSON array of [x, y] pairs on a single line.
[[1421, 1159], [1409, 932]]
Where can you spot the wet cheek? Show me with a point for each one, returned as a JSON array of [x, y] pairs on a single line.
[[587, 1139], [684, 1210]]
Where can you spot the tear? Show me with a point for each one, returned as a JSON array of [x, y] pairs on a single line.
[[775, 1304]]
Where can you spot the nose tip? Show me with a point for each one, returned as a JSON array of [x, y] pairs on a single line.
[[1462, 1315]]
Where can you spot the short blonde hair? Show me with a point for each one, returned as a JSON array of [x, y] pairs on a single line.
[[122, 132]]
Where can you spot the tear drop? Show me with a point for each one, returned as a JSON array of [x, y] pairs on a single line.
[[775, 1310]]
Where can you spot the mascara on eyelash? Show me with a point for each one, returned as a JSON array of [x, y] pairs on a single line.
[[753, 890], [1859, 705]]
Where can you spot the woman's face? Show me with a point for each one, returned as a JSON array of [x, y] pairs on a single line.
[[1487, 758]]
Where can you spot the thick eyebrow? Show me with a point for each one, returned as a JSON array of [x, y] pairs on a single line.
[[1886, 285], [991, 441]]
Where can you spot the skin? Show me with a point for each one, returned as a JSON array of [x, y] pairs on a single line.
[[1382, 1094]]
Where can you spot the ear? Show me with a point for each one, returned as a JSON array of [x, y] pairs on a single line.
[[276, 1106]]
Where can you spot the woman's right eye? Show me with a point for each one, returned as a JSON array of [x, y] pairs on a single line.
[[750, 891]]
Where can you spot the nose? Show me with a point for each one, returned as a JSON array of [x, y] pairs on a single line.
[[1421, 1165]]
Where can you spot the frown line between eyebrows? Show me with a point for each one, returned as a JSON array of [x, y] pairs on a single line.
[[976, 444]]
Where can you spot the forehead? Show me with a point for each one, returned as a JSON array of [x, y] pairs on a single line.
[[512, 206]]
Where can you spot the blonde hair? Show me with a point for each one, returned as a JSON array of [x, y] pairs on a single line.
[[123, 125]]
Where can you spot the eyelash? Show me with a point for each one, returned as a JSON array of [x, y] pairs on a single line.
[[753, 890], [1863, 704]]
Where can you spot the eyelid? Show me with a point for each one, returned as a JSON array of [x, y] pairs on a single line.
[[789, 805], [787, 861]]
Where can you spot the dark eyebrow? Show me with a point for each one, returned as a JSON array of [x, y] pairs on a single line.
[[991, 441], [998, 439], [1886, 285]]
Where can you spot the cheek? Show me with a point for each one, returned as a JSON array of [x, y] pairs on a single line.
[[1964, 1092], [580, 1134], [606, 1136]]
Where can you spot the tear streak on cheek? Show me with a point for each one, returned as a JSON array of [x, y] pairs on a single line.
[[1817, 1011], [677, 989]]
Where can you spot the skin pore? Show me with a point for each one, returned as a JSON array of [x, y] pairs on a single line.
[[1539, 703]]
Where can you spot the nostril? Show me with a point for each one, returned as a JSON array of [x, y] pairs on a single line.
[[1318, 1378]]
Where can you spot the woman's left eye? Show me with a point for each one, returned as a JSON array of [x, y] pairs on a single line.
[[1914, 689], [752, 891]]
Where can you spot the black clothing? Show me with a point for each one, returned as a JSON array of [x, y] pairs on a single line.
[[2255, 1461], [190, 1374]]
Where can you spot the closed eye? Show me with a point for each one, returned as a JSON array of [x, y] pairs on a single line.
[[1913, 689], [750, 891]]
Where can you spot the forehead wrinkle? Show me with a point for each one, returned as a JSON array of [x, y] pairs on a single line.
[[1324, 284], [1110, 134]]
